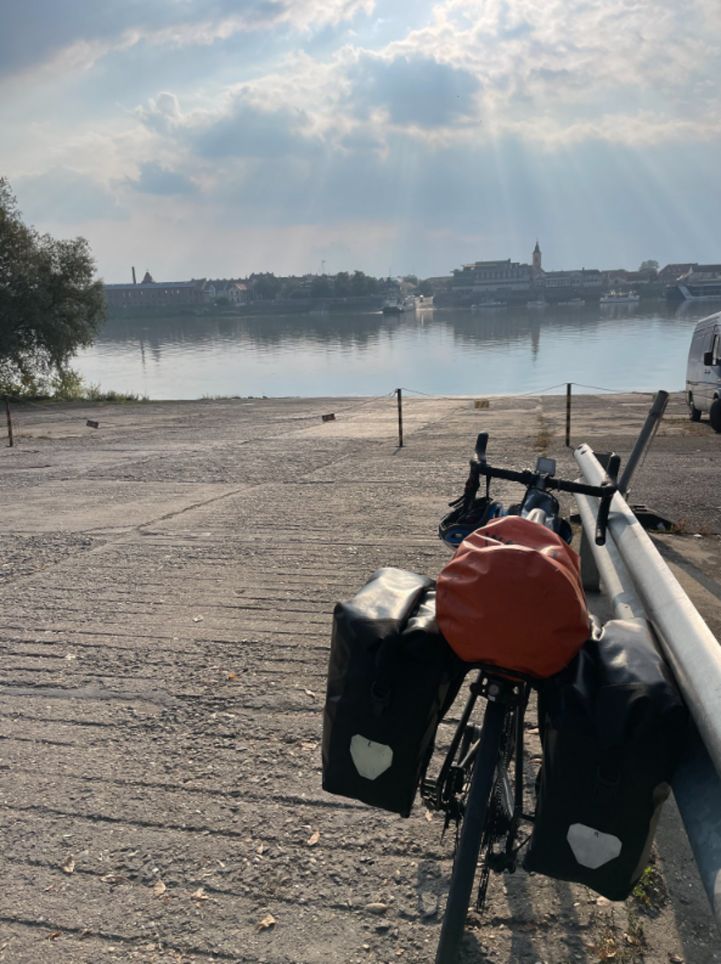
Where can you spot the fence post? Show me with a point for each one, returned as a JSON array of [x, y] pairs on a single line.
[[10, 422], [568, 414], [400, 418]]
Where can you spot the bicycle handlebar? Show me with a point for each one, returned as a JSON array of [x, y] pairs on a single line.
[[604, 492]]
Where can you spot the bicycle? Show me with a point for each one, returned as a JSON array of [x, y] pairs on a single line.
[[480, 785]]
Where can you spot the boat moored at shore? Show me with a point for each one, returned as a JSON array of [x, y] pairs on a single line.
[[620, 298], [399, 306], [703, 291]]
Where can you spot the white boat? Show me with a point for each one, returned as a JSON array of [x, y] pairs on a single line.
[[486, 305], [537, 303], [398, 306], [701, 291], [620, 298], [424, 302]]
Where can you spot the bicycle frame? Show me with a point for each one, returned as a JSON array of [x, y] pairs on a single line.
[[474, 772]]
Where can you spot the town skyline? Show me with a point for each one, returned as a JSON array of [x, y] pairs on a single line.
[[134, 271]]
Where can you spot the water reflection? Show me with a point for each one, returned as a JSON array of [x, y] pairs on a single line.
[[445, 352]]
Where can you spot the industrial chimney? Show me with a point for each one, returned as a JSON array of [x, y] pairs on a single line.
[[134, 278]]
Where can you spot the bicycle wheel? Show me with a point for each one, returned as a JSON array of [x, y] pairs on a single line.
[[474, 819]]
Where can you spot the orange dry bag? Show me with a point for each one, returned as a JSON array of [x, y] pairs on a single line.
[[512, 597]]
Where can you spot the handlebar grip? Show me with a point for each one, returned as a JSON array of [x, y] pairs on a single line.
[[602, 518]]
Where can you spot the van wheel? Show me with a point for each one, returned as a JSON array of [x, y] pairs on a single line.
[[694, 413], [714, 415]]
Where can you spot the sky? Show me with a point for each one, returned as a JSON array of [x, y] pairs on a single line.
[[215, 138]]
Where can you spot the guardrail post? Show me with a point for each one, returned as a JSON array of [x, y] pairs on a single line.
[[650, 427], [400, 418], [10, 422]]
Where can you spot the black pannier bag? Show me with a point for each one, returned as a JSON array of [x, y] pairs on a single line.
[[391, 677], [613, 727]]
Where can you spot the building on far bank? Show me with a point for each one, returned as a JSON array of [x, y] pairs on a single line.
[[153, 294], [484, 280], [672, 272], [230, 292], [582, 278], [515, 282], [700, 273]]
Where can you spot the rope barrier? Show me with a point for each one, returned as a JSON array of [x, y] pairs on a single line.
[[597, 388], [542, 391], [450, 398], [51, 408]]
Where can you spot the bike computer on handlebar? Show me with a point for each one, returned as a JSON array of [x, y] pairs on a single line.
[[538, 484]]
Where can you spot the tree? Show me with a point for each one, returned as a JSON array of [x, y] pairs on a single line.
[[650, 266], [341, 285], [50, 304], [320, 287], [425, 288], [265, 286]]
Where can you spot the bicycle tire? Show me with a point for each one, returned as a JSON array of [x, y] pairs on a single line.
[[472, 827]]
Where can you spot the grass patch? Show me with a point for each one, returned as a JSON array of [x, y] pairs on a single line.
[[650, 895], [64, 386], [94, 393], [614, 943]]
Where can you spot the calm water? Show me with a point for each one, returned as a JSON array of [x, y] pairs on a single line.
[[443, 352]]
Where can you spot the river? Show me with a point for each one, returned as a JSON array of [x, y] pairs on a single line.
[[443, 352]]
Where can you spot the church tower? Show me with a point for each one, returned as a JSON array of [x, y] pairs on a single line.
[[537, 269]]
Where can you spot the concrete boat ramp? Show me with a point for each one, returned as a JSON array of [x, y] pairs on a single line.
[[166, 589]]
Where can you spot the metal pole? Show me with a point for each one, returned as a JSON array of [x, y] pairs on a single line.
[[650, 427], [689, 645], [616, 581], [400, 418], [10, 422], [568, 414], [696, 784]]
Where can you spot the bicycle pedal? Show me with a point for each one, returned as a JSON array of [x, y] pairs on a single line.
[[429, 793]]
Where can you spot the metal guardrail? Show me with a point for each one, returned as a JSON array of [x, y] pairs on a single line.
[[639, 584]]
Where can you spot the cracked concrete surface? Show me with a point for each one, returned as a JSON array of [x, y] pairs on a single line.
[[166, 588]]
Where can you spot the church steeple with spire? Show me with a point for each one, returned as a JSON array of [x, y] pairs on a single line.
[[537, 269]]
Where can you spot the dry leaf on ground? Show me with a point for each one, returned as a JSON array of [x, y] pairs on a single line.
[[314, 838], [266, 923], [199, 894], [69, 865], [159, 888]]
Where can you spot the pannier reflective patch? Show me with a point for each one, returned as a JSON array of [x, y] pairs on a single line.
[[590, 847], [370, 758]]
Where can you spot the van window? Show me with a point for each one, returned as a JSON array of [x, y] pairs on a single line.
[[716, 349]]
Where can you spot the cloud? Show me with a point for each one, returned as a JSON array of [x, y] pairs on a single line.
[[66, 196], [235, 127], [156, 179], [248, 131], [413, 90], [161, 113], [80, 33], [569, 61]]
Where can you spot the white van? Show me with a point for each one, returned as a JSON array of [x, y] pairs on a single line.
[[703, 374]]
